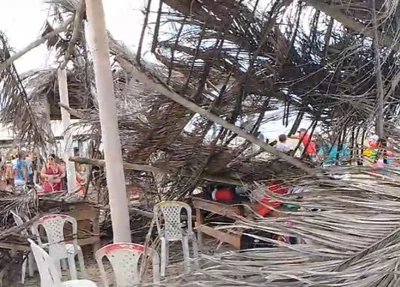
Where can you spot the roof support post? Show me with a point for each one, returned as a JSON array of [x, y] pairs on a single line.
[[66, 122], [99, 48]]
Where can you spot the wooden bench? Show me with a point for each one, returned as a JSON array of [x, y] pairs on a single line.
[[229, 211], [232, 211]]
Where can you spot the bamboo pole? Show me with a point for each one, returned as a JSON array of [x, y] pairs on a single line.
[[35, 44], [154, 169], [66, 122], [99, 47]]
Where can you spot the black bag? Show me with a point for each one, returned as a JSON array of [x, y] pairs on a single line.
[[248, 242]]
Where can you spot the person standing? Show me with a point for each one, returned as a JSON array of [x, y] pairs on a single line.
[[52, 174], [20, 170], [308, 143], [29, 165]]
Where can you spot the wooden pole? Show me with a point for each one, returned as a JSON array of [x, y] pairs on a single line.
[[66, 122], [108, 119], [157, 170], [35, 44]]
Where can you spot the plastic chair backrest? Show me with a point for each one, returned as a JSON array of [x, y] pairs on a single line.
[[19, 221], [49, 276], [173, 225], [124, 259], [53, 224]]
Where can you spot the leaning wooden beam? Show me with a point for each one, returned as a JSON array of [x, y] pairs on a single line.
[[35, 44], [66, 121], [149, 168], [151, 84], [75, 33], [349, 22], [72, 112]]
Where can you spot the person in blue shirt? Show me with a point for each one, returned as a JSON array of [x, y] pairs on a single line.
[[330, 159], [20, 170]]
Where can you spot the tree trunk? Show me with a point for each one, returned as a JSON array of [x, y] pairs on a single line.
[[108, 119], [66, 121]]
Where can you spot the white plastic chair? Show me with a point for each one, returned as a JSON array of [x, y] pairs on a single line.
[[18, 220], [49, 275], [59, 251], [173, 230], [124, 259]]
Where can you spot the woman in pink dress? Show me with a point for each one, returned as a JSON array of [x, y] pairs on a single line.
[[52, 174]]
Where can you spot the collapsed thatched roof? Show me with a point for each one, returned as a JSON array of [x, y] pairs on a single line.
[[235, 59]]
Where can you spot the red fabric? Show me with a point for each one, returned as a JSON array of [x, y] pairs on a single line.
[[374, 145], [53, 187], [81, 183], [263, 209], [277, 187], [312, 147], [225, 194]]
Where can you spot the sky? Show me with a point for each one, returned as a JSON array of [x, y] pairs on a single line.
[[22, 21]]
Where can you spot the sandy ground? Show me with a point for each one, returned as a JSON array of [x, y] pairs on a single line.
[[175, 267]]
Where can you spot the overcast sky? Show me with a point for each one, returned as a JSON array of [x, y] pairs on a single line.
[[23, 20]]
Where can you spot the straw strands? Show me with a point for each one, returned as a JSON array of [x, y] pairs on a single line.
[[352, 241]]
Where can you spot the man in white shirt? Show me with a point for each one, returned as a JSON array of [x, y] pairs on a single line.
[[282, 145]]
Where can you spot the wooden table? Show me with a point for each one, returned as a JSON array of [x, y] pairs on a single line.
[[230, 211], [87, 217]]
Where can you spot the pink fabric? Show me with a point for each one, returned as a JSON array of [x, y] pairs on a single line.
[[53, 187]]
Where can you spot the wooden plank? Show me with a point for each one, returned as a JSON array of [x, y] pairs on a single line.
[[232, 239], [199, 222], [230, 211], [16, 247], [87, 241], [82, 242], [84, 213]]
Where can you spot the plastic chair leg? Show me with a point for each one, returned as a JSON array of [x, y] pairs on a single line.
[[57, 264], [186, 254], [82, 264], [31, 264], [163, 256], [72, 267], [23, 270], [64, 265], [195, 250]]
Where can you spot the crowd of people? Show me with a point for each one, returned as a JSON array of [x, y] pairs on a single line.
[[314, 148], [320, 150], [22, 169]]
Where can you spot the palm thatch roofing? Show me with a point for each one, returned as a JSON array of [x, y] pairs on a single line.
[[237, 59], [336, 62]]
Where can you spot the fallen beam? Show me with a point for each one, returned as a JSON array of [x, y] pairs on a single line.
[[149, 168], [36, 43]]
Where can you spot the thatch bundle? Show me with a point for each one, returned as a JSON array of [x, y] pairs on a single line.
[[352, 240], [239, 60]]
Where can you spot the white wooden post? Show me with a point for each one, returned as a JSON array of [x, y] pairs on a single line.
[[66, 121], [99, 48]]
